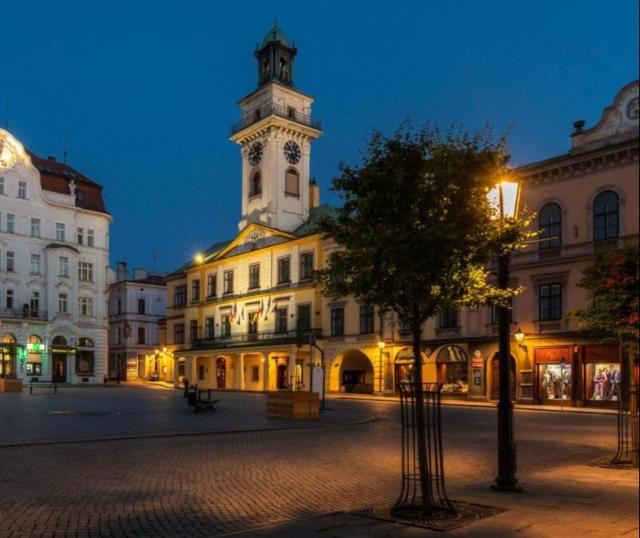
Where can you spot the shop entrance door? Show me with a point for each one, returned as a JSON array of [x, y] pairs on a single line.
[[281, 377], [221, 373], [495, 378], [59, 374]]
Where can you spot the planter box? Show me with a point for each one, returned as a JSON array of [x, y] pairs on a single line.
[[10, 385], [295, 405]]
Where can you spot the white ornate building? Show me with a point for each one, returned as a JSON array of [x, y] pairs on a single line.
[[54, 252]]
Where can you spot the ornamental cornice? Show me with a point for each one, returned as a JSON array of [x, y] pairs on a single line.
[[576, 166]]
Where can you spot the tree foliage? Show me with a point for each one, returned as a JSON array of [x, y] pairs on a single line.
[[613, 279], [415, 227]]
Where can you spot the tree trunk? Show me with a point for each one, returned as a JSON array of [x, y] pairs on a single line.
[[423, 465]]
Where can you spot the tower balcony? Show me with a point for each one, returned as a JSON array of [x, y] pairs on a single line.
[[281, 111]]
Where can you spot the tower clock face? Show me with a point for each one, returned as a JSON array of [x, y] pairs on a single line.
[[255, 154], [292, 152]]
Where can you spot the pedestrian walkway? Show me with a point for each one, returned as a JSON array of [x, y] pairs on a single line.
[[479, 403], [578, 500]]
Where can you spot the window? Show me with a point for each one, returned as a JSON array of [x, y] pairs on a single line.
[[494, 312], [281, 319], [22, 189], [119, 306], [292, 182], [142, 306], [448, 319], [306, 265], [178, 333], [255, 188], [284, 265], [254, 276], [85, 272], [212, 285], [9, 301], [35, 264], [180, 295], [550, 301], [63, 266], [227, 282], [11, 223], [10, 261], [337, 321], [91, 238], [85, 360], [252, 323], [34, 303], [63, 303], [550, 227], [303, 322], [208, 327], [118, 335], [59, 231], [193, 330], [226, 325], [35, 227], [80, 233], [195, 290], [141, 335], [366, 319], [1, 185], [85, 306], [605, 216]]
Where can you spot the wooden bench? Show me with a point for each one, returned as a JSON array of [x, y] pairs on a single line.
[[53, 386], [201, 400]]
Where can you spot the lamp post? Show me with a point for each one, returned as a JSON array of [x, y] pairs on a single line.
[[504, 200], [381, 345]]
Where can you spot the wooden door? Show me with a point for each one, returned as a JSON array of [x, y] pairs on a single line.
[[59, 374], [221, 373]]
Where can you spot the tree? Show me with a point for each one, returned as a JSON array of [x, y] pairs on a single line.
[[613, 315], [415, 233]]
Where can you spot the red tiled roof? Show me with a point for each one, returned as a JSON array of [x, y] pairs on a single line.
[[56, 176]]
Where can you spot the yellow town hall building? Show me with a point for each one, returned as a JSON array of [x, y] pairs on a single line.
[[246, 315]]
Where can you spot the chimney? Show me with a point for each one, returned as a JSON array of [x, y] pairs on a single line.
[[121, 271], [314, 194]]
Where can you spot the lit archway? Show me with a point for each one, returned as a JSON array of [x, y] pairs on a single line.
[[356, 372]]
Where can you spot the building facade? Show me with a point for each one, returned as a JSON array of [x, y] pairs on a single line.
[[245, 315], [54, 252], [136, 305]]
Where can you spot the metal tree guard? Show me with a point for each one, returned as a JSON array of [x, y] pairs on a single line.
[[628, 426], [410, 502]]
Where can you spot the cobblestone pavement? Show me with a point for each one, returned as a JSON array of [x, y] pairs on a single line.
[[211, 485]]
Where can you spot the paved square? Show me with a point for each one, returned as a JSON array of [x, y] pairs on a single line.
[[273, 481]]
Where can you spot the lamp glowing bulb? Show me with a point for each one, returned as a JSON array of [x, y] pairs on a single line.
[[198, 258]]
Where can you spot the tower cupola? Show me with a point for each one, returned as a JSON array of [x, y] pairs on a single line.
[[275, 58]]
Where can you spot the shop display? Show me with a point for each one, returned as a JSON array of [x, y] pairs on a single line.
[[554, 381], [602, 381]]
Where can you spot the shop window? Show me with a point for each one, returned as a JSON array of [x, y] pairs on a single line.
[[181, 368], [452, 363], [606, 216], [85, 357], [255, 374], [8, 357], [554, 381], [602, 374], [35, 349]]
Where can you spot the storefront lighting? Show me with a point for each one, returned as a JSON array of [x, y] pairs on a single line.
[[36, 348], [519, 335]]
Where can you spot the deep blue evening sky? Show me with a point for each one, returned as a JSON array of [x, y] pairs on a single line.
[[146, 90]]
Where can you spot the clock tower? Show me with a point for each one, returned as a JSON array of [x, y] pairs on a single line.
[[275, 135]]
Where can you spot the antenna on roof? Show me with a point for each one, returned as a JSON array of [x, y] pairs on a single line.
[[154, 257]]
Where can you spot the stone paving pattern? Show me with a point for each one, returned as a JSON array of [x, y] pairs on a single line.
[[284, 482]]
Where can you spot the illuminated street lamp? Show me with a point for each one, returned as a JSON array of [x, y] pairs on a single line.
[[503, 199], [381, 345]]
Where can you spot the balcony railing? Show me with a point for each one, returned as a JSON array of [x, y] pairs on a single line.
[[551, 325], [23, 313], [242, 339], [274, 109]]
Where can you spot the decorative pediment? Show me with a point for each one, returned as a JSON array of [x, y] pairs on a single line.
[[253, 237], [619, 120]]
